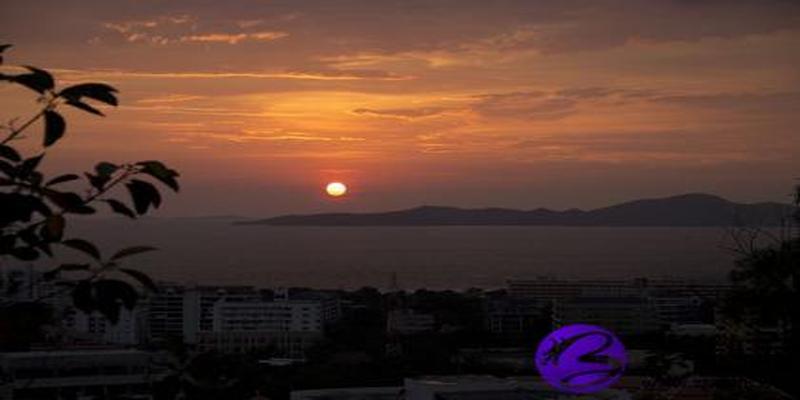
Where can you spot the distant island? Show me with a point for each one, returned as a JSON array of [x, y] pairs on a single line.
[[688, 210]]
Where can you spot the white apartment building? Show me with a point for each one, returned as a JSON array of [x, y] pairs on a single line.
[[269, 316], [287, 327], [185, 311]]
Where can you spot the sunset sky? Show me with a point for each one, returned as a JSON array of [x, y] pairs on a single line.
[[519, 104]]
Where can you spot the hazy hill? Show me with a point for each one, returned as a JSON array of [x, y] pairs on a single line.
[[683, 210]]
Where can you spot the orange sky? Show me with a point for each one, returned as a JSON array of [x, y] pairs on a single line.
[[470, 103]]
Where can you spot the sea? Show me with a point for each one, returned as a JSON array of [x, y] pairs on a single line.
[[215, 251]]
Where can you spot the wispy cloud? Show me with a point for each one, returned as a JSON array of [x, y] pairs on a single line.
[[169, 99], [167, 30], [231, 38], [152, 31], [300, 75], [404, 113], [247, 136]]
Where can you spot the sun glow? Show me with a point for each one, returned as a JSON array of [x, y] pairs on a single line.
[[336, 189]]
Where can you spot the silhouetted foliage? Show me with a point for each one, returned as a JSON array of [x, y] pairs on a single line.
[[35, 209], [765, 276], [766, 291]]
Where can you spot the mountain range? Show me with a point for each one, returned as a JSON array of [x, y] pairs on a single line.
[[688, 210]]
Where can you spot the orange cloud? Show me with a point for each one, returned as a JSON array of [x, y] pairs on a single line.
[[234, 38], [301, 75]]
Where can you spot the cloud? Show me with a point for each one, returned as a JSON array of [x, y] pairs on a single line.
[[561, 103], [753, 102], [249, 23], [169, 99], [527, 105], [153, 31], [247, 136], [403, 113], [166, 30], [76, 74], [229, 38], [706, 146], [559, 28]]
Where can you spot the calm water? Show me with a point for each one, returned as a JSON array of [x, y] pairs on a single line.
[[215, 251]]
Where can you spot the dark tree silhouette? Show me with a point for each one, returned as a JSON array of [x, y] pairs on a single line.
[[766, 281], [35, 209]]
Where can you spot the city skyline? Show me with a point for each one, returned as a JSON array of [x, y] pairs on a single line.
[[515, 104]]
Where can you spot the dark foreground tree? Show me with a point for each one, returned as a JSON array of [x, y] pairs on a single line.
[[35, 209], [766, 291]]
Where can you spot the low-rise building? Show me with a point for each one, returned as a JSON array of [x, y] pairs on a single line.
[[97, 328], [452, 387], [510, 316], [85, 374], [622, 315], [408, 322]]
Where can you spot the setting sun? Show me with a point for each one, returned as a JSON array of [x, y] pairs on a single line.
[[336, 189]]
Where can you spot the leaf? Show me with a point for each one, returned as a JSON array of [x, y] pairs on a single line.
[[54, 126], [9, 153], [96, 91], [110, 293], [143, 278], [7, 169], [28, 235], [35, 178], [144, 195], [17, 207], [83, 106], [120, 208], [83, 246], [7, 243], [50, 275], [159, 171], [37, 80], [38, 205], [97, 181], [29, 165], [3, 47], [54, 227], [74, 267], [25, 253], [53, 273], [61, 179], [45, 248], [127, 252], [105, 168], [69, 202], [82, 297]]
